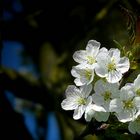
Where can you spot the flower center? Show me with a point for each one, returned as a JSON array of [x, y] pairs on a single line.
[[81, 101], [91, 60], [88, 74], [138, 92], [111, 66], [128, 104], [107, 95]]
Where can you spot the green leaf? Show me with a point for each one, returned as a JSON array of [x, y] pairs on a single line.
[[118, 45]]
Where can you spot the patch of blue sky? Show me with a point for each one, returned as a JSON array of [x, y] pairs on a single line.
[[7, 15], [10, 54], [53, 132], [11, 58], [17, 6], [30, 121]]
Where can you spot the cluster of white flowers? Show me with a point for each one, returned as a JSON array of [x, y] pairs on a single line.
[[105, 96]]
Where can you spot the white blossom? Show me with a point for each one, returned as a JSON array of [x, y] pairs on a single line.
[[136, 85], [107, 97], [134, 125], [127, 105], [97, 112], [110, 65], [87, 56], [77, 99], [84, 74], [104, 93]]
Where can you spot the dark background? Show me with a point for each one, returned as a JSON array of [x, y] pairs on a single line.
[[47, 33]]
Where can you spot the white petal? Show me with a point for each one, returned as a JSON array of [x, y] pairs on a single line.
[[137, 82], [86, 90], [93, 47], [125, 96], [98, 108], [101, 116], [114, 89], [137, 102], [126, 92], [123, 65], [98, 99], [69, 104], [115, 105], [89, 100], [137, 114], [78, 112], [107, 106], [84, 75], [99, 87], [78, 82], [114, 76], [88, 79], [72, 91], [115, 54], [132, 127], [101, 70], [75, 72], [103, 58], [78, 70], [81, 66], [112, 86], [89, 116], [138, 127], [85, 80], [127, 87], [125, 116], [105, 50], [80, 56], [89, 113]]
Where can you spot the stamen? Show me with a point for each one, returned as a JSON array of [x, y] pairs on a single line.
[[107, 95], [128, 104], [91, 60], [138, 92], [88, 74], [81, 101], [111, 66]]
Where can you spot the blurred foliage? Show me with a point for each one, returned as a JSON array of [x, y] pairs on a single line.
[[52, 30]]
